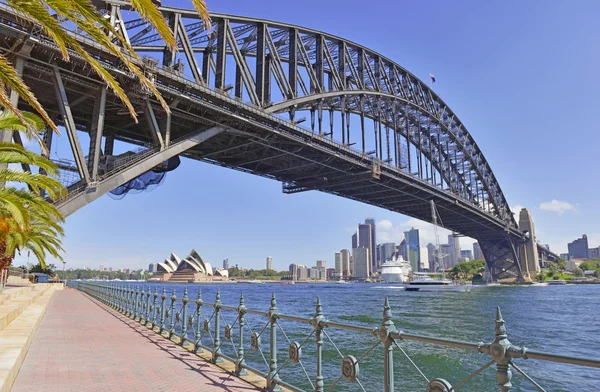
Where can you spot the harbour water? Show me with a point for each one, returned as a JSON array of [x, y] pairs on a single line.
[[559, 320]]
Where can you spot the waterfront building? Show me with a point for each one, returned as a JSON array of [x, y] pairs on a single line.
[[314, 273], [454, 251], [431, 257], [339, 269], [403, 249], [373, 248], [294, 271], [332, 274], [466, 255], [388, 250], [302, 272], [579, 248], [226, 264], [269, 263], [594, 253], [345, 262], [361, 263], [365, 240], [152, 267], [477, 253], [413, 248]]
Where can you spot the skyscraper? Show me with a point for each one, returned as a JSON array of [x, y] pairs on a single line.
[[338, 264], [354, 240], [226, 264], [431, 257], [345, 262], [452, 259], [322, 267], [477, 254], [466, 254], [294, 271], [387, 251], [578, 249], [152, 267], [362, 265], [365, 240], [373, 249], [413, 248], [269, 263]]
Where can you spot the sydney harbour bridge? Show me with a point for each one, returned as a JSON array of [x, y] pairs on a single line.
[[303, 107]]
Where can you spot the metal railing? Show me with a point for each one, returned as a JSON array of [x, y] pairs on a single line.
[[202, 326]]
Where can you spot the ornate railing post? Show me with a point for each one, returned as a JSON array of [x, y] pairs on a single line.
[[162, 310], [148, 306], [239, 364], [272, 377], [198, 335], [154, 308], [387, 327], [217, 336], [129, 296], [123, 301], [184, 320], [502, 351], [143, 314], [172, 314], [136, 304], [317, 322]]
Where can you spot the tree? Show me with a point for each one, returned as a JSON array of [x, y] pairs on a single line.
[[27, 220], [56, 16], [578, 272]]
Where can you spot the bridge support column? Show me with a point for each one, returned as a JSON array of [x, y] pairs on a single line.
[[503, 258], [531, 264]]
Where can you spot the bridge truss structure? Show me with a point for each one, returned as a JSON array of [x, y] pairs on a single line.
[[238, 93]]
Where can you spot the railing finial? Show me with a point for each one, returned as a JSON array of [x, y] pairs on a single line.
[[319, 308]]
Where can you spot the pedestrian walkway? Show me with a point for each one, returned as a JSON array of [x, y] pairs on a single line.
[[82, 345]]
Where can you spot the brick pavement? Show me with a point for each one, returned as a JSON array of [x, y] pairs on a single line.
[[82, 345]]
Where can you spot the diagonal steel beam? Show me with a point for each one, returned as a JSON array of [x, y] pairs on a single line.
[[65, 111], [75, 202]]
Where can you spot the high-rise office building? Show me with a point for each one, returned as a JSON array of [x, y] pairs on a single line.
[[431, 257], [365, 240], [578, 249], [338, 264], [403, 249], [413, 249], [269, 263], [466, 255], [477, 253], [152, 267], [594, 253], [226, 264], [446, 252], [314, 273], [294, 271], [454, 255], [101, 267], [373, 249], [354, 240], [322, 267], [302, 272], [564, 256], [362, 263], [387, 251], [345, 262]]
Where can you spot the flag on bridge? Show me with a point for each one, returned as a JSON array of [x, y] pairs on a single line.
[[432, 78]]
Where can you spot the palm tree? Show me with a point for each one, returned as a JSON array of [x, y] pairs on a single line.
[[27, 220], [53, 15]]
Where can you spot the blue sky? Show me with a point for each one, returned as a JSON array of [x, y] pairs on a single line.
[[520, 75]]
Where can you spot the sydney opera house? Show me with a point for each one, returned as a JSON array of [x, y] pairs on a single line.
[[191, 269]]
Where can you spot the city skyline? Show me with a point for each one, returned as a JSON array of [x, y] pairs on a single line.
[[123, 233]]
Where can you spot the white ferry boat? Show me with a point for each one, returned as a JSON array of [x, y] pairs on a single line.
[[424, 282], [396, 270]]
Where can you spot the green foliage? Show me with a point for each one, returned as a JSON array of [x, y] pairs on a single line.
[[590, 265], [578, 272], [95, 274], [468, 269], [256, 274]]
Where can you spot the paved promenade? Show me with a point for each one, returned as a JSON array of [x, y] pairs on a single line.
[[81, 345]]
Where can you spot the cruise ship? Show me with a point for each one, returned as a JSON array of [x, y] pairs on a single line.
[[395, 270]]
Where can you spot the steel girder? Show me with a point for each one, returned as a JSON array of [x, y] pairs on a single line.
[[300, 70]]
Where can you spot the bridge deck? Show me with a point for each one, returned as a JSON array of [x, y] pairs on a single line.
[[82, 345]]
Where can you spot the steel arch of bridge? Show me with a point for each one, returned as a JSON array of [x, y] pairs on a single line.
[[236, 93], [318, 72]]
